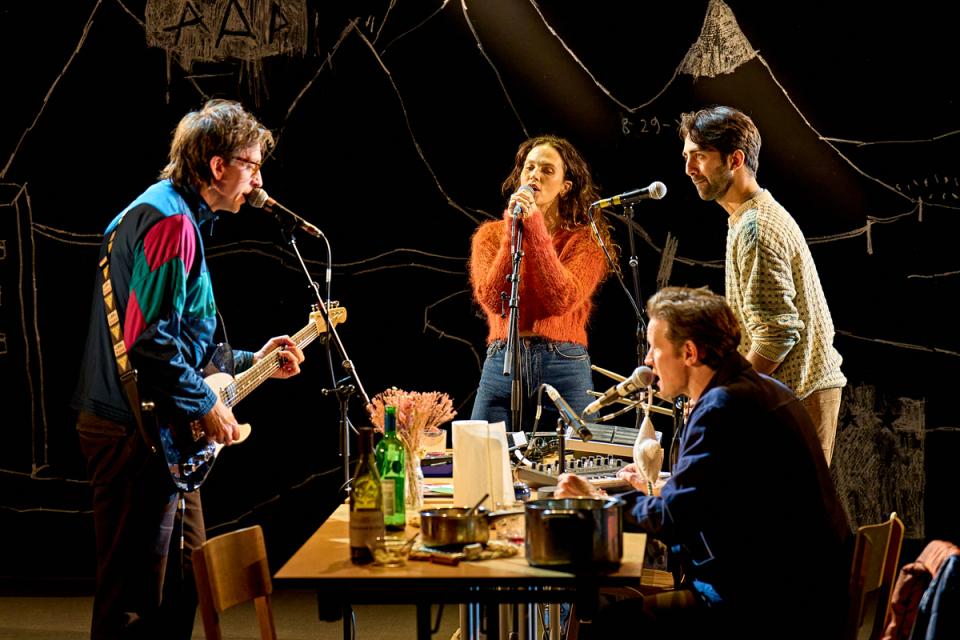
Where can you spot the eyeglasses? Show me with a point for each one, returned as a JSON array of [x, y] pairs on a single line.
[[256, 165]]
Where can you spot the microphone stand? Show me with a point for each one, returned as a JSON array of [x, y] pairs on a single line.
[[635, 299], [634, 269], [641, 328], [343, 391], [511, 360]]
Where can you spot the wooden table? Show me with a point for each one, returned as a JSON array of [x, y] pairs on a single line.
[[324, 562]]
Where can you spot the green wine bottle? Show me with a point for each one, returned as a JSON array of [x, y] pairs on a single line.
[[391, 461], [366, 502]]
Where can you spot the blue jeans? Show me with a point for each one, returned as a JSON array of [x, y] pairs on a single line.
[[563, 365]]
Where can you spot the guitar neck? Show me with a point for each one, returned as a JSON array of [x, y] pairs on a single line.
[[250, 379]]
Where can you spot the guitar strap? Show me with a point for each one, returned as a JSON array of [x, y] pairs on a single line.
[[128, 375]]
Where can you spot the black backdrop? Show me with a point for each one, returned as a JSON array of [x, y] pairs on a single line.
[[397, 122]]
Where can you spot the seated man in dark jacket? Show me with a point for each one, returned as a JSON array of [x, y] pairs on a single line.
[[751, 510]]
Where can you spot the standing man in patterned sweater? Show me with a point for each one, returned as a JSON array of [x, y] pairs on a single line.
[[166, 311], [771, 280]]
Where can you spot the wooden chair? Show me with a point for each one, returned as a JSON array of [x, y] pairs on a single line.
[[875, 561], [232, 569]]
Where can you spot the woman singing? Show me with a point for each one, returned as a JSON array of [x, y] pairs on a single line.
[[563, 264]]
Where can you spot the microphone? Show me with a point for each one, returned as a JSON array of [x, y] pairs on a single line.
[[571, 418], [641, 378], [526, 189], [655, 191], [258, 198]]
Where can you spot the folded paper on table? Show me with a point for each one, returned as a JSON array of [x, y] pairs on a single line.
[[481, 464], [437, 490]]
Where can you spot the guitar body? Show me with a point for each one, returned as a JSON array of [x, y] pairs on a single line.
[[190, 459], [190, 462]]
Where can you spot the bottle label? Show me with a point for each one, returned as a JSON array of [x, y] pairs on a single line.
[[365, 526], [389, 497]]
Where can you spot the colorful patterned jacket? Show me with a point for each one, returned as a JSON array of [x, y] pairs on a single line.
[[165, 299]]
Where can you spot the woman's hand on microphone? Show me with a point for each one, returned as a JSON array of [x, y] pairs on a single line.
[[524, 198]]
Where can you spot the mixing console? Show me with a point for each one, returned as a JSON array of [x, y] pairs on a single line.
[[601, 471]]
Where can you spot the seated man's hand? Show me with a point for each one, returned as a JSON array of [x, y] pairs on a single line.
[[631, 473], [291, 355], [570, 485], [220, 425]]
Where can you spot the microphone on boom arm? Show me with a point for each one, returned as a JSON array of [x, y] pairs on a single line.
[[259, 199], [655, 191], [641, 378]]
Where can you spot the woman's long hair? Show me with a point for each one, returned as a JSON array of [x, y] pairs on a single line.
[[583, 192]]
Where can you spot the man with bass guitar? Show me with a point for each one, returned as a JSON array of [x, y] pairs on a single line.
[[153, 315]]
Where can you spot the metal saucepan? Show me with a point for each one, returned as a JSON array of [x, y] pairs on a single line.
[[452, 525], [583, 534]]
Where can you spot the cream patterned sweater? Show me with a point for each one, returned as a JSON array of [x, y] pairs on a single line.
[[774, 290]]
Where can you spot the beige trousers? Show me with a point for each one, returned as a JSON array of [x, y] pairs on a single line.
[[824, 409]]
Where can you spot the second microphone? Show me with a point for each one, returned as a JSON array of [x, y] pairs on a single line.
[[641, 378], [259, 199]]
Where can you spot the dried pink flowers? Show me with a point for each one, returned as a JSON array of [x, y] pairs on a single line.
[[416, 412]]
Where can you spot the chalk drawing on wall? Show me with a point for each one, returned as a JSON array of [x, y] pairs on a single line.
[[83, 38], [902, 345], [238, 26], [219, 30], [444, 335], [412, 29], [327, 61], [22, 366], [721, 47], [861, 143], [317, 268], [414, 139], [476, 36], [666, 261], [936, 275], [226, 30], [881, 441], [935, 188]]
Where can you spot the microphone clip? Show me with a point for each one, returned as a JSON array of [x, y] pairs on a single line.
[[585, 434]]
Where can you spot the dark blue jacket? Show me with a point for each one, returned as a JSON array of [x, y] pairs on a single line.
[[752, 511], [939, 614]]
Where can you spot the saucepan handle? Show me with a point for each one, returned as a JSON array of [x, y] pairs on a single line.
[[497, 515]]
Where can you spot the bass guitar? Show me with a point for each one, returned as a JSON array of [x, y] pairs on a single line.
[[189, 453]]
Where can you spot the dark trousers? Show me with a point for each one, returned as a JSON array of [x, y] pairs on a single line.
[[145, 586]]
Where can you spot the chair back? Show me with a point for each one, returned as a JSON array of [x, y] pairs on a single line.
[[231, 569], [875, 560]]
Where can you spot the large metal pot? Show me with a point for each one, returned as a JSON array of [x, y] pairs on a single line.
[[584, 534], [451, 525]]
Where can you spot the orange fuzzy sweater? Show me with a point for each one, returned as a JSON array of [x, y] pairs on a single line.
[[559, 276]]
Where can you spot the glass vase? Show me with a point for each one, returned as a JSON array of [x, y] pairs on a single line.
[[414, 485]]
